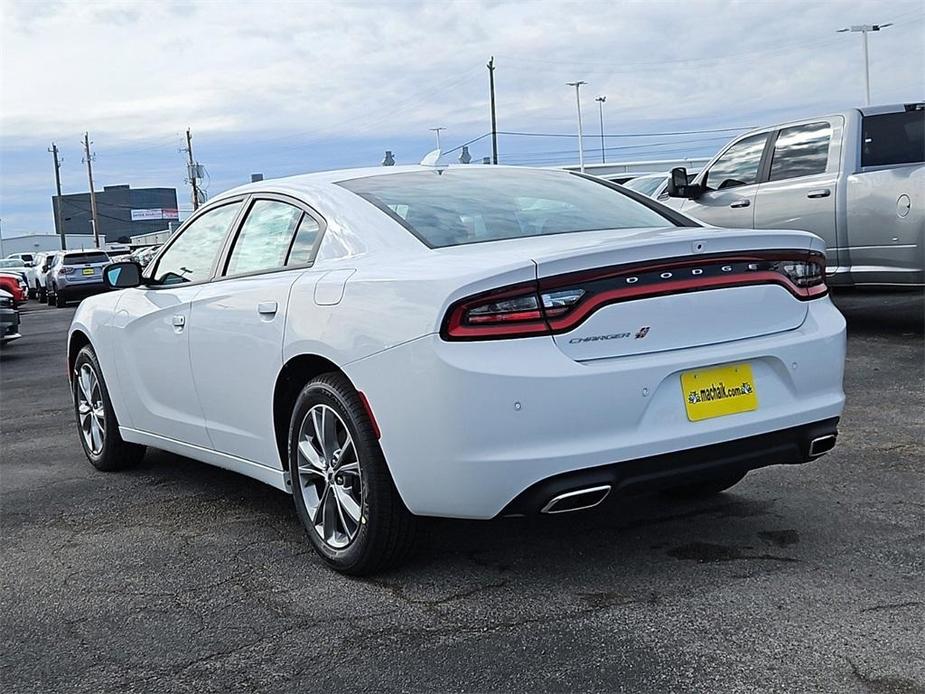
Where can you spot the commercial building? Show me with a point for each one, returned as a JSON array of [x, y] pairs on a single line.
[[122, 211]]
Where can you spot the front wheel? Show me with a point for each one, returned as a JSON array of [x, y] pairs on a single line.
[[50, 296], [96, 420], [60, 299], [343, 491]]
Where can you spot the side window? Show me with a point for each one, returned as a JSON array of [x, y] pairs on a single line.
[[304, 243], [191, 256], [264, 237], [738, 166], [801, 151]]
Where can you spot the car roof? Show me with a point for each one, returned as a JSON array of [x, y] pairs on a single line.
[[312, 182]]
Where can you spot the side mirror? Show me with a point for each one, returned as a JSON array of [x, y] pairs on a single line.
[[122, 275], [677, 183]]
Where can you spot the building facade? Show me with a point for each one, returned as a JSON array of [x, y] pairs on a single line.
[[122, 211]]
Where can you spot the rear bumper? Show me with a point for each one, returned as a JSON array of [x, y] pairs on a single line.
[[469, 427], [80, 290], [785, 447]]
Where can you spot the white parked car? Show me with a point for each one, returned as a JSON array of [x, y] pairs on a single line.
[[470, 342]]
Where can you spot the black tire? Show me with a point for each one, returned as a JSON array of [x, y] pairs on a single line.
[[707, 487], [60, 299], [33, 292], [387, 532], [50, 296], [42, 295], [115, 454]]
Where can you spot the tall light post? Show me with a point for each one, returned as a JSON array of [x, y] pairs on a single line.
[[437, 132], [581, 149], [864, 29], [600, 102]]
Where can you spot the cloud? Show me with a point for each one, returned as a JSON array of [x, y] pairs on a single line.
[[274, 73]]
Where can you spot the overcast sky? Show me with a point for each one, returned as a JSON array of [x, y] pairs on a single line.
[[289, 87]]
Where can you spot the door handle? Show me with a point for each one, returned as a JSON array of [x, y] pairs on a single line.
[[741, 203], [821, 193], [179, 322], [267, 308]]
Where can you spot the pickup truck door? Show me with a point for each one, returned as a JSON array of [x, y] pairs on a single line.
[[238, 323], [730, 185], [799, 189]]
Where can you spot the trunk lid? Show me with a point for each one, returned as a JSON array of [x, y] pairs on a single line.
[[665, 267]]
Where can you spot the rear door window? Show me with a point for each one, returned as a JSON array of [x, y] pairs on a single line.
[[738, 165], [802, 150], [893, 138], [264, 239]]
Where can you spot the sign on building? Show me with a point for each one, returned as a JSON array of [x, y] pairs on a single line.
[[156, 213]]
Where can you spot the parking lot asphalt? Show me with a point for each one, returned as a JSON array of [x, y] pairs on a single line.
[[177, 576]]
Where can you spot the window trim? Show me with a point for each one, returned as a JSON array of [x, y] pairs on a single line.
[[766, 166], [149, 274], [225, 255]]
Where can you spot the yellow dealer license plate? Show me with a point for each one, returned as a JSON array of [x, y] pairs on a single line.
[[88, 270], [719, 391]]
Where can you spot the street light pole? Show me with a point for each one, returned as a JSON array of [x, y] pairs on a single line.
[[600, 102], [864, 29], [581, 149]]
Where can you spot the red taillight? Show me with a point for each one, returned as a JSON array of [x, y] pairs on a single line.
[[558, 304], [65, 270]]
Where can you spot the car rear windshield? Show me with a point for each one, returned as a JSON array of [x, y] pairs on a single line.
[[84, 258], [457, 206], [893, 138]]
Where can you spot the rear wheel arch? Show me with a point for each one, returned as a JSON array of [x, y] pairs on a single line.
[[289, 383]]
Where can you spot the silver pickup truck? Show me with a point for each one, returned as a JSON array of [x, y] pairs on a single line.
[[857, 179]]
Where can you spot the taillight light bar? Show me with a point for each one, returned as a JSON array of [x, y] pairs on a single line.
[[559, 304]]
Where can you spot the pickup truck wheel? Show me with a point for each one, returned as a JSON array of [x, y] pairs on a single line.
[[707, 487], [97, 425], [60, 299], [50, 296], [42, 294], [343, 491]]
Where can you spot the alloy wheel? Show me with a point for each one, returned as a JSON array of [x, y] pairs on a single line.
[[329, 476], [90, 410]]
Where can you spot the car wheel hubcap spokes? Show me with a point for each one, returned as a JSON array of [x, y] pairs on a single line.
[[329, 476], [90, 409]]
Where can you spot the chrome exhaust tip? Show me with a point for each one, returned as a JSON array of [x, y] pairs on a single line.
[[821, 444], [578, 500]]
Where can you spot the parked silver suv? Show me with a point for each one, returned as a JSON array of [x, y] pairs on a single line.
[[75, 275]]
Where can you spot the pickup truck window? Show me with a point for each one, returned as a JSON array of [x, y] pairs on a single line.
[[893, 138], [738, 166], [802, 150]]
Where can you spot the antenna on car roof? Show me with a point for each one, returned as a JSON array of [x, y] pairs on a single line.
[[432, 158]]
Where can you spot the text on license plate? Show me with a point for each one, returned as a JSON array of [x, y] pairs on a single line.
[[719, 391], [88, 270]]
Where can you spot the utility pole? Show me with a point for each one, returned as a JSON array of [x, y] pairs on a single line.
[[864, 29], [437, 131], [191, 167], [59, 222], [93, 215], [494, 122], [581, 149], [600, 102]]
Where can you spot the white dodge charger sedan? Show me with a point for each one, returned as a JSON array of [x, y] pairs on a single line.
[[469, 342]]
